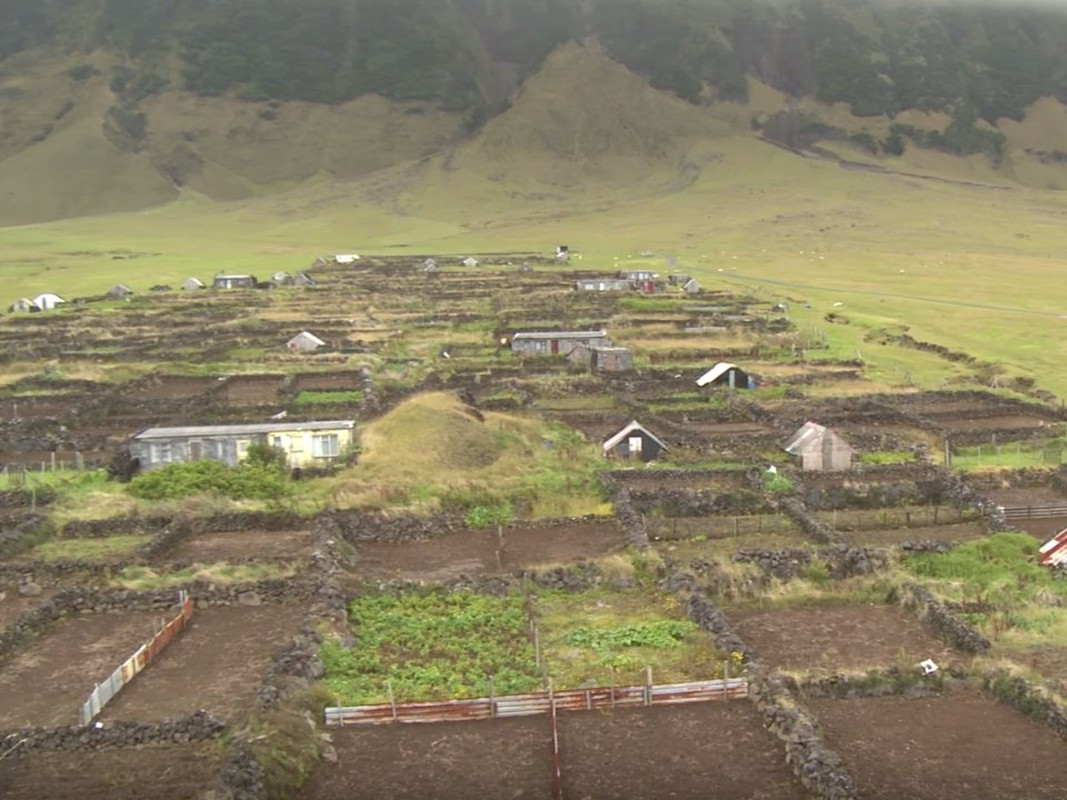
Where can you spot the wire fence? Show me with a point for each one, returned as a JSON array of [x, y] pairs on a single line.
[[145, 655]]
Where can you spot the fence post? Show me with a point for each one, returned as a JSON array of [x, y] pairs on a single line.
[[726, 681], [648, 686], [612, 687], [492, 701], [392, 699]]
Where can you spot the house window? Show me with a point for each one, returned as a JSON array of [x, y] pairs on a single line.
[[160, 453], [326, 445]]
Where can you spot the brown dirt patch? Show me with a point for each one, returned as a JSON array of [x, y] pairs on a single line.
[[650, 753], [446, 761], [829, 638], [651, 482], [1040, 529], [957, 747], [174, 773], [1031, 496], [252, 390], [682, 528], [35, 407], [674, 752], [961, 532], [168, 387], [69, 661], [215, 665], [242, 546], [13, 605], [328, 381], [475, 552]]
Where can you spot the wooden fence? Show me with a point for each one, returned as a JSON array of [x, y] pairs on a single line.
[[145, 655], [543, 702], [1041, 511]]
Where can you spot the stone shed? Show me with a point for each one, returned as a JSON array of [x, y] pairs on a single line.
[[819, 448]]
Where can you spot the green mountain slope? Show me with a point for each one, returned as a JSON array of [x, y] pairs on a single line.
[[111, 105]]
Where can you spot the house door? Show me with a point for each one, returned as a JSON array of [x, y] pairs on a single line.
[[196, 451], [635, 446], [553, 347]]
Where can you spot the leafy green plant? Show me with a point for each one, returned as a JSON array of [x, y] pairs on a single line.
[[254, 480], [660, 634], [486, 516]]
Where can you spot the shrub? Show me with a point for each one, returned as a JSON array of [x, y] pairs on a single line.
[[254, 480]]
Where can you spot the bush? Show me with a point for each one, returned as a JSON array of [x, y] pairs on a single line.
[[252, 480]]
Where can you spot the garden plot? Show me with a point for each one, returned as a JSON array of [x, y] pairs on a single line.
[[46, 684], [477, 552], [599, 637], [34, 407], [174, 387], [723, 482], [251, 390], [956, 747], [215, 665], [703, 547], [447, 761], [732, 532], [831, 638], [171, 772], [890, 537], [328, 381], [686, 752], [242, 546], [13, 605]]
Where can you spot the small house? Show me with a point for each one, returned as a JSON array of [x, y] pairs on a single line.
[[47, 301], [819, 448], [429, 265], [602, 285], [281, 278], [678, 279], [346, 258], [119, 291], [234, 282], [634, 443], [303, 279], [726, 374], [305, 444], [192, 285], [552, 343], [563, 253], [638, 275], [1053, 553], [691, 287], [470, 262], [304, 342], [602, 359], [23, 305]]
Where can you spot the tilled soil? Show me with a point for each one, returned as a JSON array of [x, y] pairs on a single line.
[[215, 665], [477, 552], [829, 638], [151, 773], [241, 546], [685, 752], [956, 747], [46, 684]]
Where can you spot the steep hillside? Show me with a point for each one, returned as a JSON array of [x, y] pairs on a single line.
[[109, 105]]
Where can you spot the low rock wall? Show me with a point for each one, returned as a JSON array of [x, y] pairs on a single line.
[[197, 727], [1028, 699], [943, 621]]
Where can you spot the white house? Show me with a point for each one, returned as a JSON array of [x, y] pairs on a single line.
[[470, 262], [47, 301], [346, 258], [304, 342]]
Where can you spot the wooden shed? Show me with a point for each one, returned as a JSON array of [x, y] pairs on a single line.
[[635, 442], [819, 448], [552, 343]]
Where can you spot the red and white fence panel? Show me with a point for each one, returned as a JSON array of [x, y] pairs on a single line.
[[536, 703]]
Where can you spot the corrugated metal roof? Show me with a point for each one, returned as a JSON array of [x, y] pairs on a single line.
[[632, 427], [1054, 551], [561, 335], [237, 430], [809, 437], [309, 336], [715, 372]]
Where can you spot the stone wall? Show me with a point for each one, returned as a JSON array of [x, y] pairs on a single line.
[[1025, 697], [197, 727], [943, 622]]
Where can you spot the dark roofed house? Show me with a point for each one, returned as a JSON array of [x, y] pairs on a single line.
[[552, 343], [726, 374], [819, 448], [634, 442], [234, 282]]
